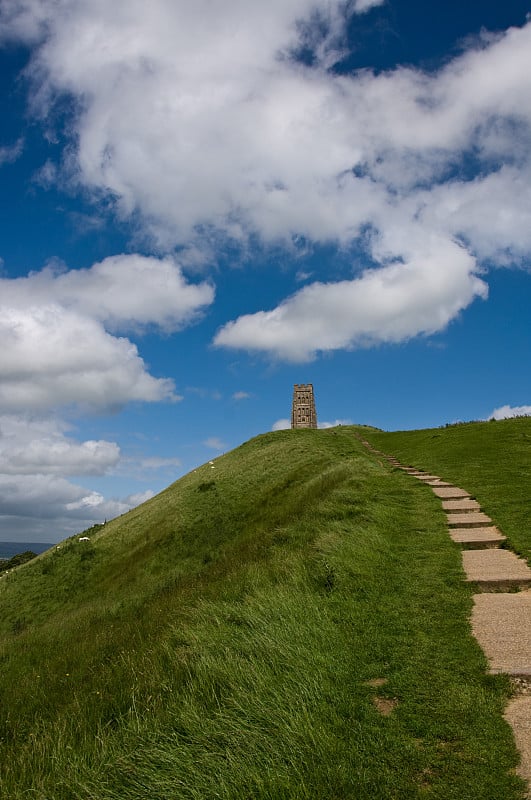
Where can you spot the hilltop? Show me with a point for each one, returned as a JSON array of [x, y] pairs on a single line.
[[289, 621]]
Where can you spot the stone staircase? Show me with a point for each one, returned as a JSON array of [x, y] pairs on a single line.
[[501, 617]]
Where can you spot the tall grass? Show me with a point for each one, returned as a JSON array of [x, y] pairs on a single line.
[[290, 624]]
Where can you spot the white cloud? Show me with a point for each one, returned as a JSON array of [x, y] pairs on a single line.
[[141, 497], [39, 446], [37, 501], [214, 443], [506, 412], [281, 425], [50, 357], [153, 80], [364, 5], [56, 500], [43, 496], [87, 503], [241, 396], [389, 304], [194, 118], [55, 349], [123, 291], [93, 507], [491, 212]]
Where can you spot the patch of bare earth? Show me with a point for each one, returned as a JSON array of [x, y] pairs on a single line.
[[385, 705]]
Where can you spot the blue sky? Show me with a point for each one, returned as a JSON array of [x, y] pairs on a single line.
[[203, 204]]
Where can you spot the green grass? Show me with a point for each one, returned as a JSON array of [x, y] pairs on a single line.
[[491, 460], [220, 642]]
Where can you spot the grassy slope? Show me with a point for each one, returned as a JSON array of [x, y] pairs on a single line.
[[217, 643], [492, 460]]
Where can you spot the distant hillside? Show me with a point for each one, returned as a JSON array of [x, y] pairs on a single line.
[[16, 561], [10, 549], [289, 621]]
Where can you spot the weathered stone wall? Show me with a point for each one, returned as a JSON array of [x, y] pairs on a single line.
[[303, 414]]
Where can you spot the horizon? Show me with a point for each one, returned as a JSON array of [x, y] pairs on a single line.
[[44, 545], [204, 206]]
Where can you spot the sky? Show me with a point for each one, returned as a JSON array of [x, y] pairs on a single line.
[[205, 203]]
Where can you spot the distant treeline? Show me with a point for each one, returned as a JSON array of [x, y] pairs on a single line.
[[16, 561]]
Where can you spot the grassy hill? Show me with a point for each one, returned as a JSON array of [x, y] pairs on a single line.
[[491, 460], [287, 622]]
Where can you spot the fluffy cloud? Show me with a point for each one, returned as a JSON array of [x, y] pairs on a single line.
[[389, 304], [55, 351], [123, 291], [37, 501], [281, 425], [506, 412], [51, 357], [191, 114], [49, 497], [490, 213], [196, 116], [54, 346], [199, 120], [39, 446], [47, 508]]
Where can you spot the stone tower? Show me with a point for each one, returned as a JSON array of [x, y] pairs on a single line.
[[303, 413]]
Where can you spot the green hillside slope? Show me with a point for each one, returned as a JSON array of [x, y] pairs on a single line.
[[287, 622], [491, 460]]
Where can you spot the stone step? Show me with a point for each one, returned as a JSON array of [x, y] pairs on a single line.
[[470, 519], [423, 477], [501, 623], [496, 570], [450, 493], [461, 505], [437, 482], [477, 538]]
